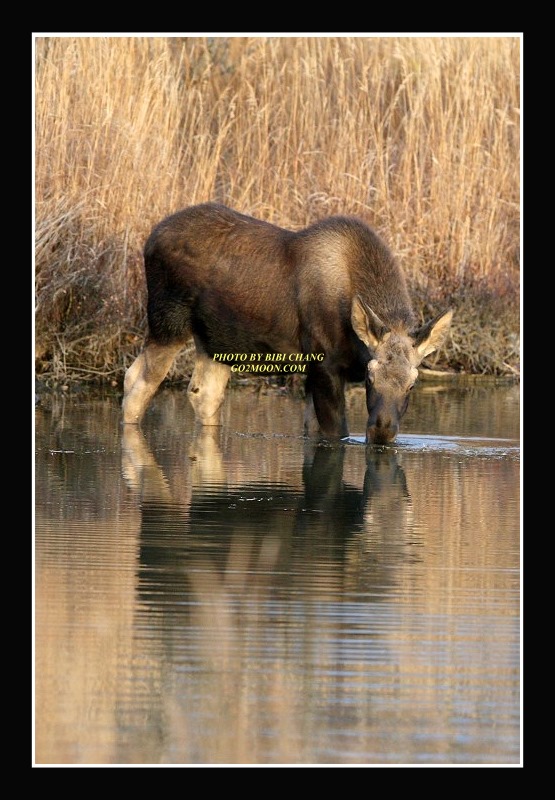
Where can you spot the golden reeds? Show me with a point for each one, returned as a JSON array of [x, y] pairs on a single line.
[[417, 135]]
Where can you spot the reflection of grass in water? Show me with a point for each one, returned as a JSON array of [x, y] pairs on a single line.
[[235, 700], [245, 666]]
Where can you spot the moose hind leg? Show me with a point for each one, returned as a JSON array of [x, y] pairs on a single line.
[[311, 424], [207, 388], [143, 378]]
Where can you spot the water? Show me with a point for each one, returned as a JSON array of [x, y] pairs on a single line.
[[242, 596]]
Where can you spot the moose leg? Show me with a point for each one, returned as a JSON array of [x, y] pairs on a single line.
[[328, 396], [207, 387], [143, 378], [141, 471], [311, 426]]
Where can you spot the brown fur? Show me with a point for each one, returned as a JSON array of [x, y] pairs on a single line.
[[241, 285]]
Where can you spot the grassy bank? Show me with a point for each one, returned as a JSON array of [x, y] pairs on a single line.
[[418, 136]]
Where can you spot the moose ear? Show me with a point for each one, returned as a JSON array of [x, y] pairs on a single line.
[[432, 335], [367, 325]]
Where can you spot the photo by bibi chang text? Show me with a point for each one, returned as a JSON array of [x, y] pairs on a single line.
[[268, 362]]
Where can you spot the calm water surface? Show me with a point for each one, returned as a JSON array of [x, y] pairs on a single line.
[[241, 595]]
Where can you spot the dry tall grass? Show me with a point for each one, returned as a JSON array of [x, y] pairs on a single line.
[[419, 136]]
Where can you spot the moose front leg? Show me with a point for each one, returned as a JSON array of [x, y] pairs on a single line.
[[326, 390]]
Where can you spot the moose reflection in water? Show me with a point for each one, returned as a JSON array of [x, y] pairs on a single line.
[[256, 528], [236, 577]]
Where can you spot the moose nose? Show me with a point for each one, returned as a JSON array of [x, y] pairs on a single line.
[[378, 433]]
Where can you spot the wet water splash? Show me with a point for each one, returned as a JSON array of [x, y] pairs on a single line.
[[463, 445]]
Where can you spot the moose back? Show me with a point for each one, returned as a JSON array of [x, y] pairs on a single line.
[[331, 296]]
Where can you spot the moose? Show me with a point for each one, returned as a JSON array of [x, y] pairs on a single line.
[[331, 293]]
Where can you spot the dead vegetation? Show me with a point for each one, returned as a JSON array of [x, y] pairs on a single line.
[[418, 136]]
